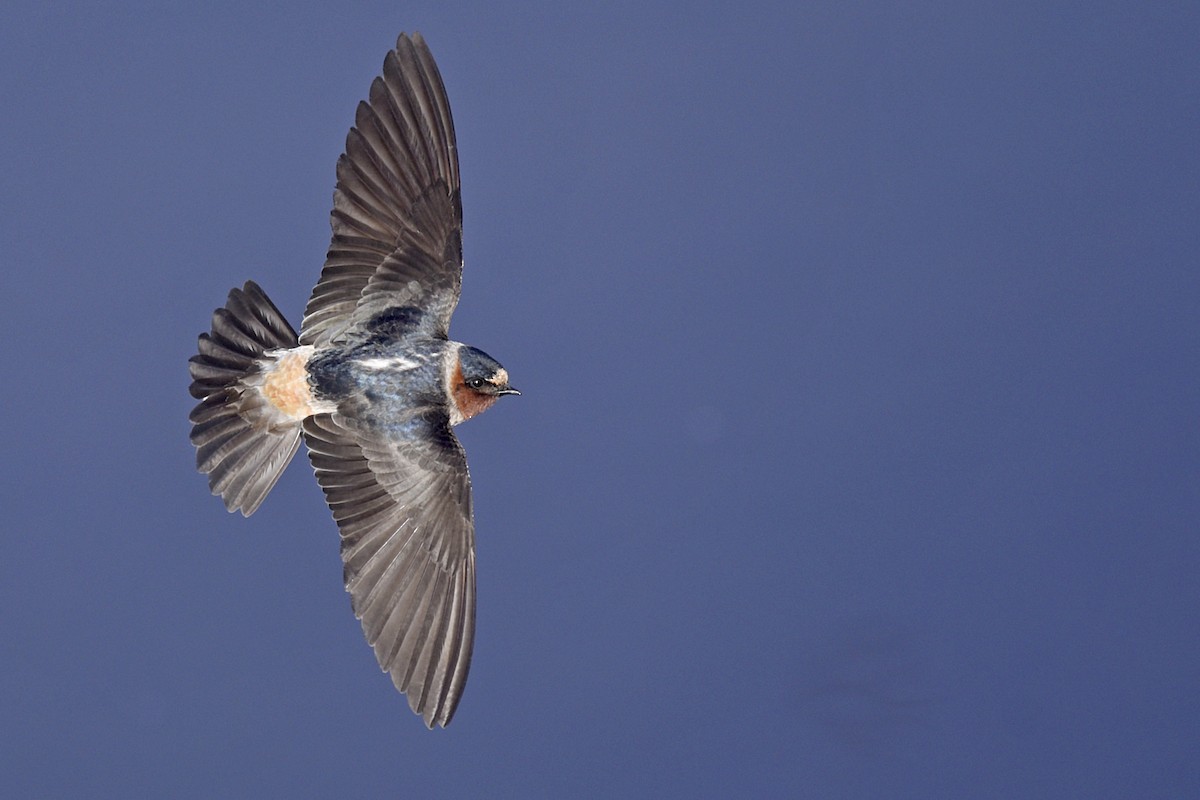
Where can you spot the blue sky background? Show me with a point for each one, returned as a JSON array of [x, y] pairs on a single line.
[[859, 449]]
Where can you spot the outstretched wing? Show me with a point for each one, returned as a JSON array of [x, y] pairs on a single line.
[[397, 209], [402, 501]]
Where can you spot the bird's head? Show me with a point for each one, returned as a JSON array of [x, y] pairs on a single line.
[[476, 382]]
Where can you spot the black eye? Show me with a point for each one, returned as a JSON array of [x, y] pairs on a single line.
[[476, 383]]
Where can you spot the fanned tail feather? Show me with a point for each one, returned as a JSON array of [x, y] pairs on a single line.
[[242, 442]]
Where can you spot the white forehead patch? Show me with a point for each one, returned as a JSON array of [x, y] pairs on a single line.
[[501, 377]]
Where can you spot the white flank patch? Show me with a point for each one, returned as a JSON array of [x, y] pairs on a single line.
[[396, 363]]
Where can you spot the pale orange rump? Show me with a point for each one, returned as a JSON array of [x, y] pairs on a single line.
[[286, 386]]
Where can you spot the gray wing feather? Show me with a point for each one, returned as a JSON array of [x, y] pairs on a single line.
[[403, 507], [397, 212]]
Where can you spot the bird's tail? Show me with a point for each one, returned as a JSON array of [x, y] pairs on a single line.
[[243, 439]]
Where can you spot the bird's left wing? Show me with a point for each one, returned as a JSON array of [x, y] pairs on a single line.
[[401, 497], [397, 207]]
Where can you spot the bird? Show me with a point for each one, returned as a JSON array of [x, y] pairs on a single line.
[[373, 385]]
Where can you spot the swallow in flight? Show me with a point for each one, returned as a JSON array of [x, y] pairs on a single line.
[[374, 386]]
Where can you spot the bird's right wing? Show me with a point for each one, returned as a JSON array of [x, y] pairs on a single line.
[[402, 501]]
